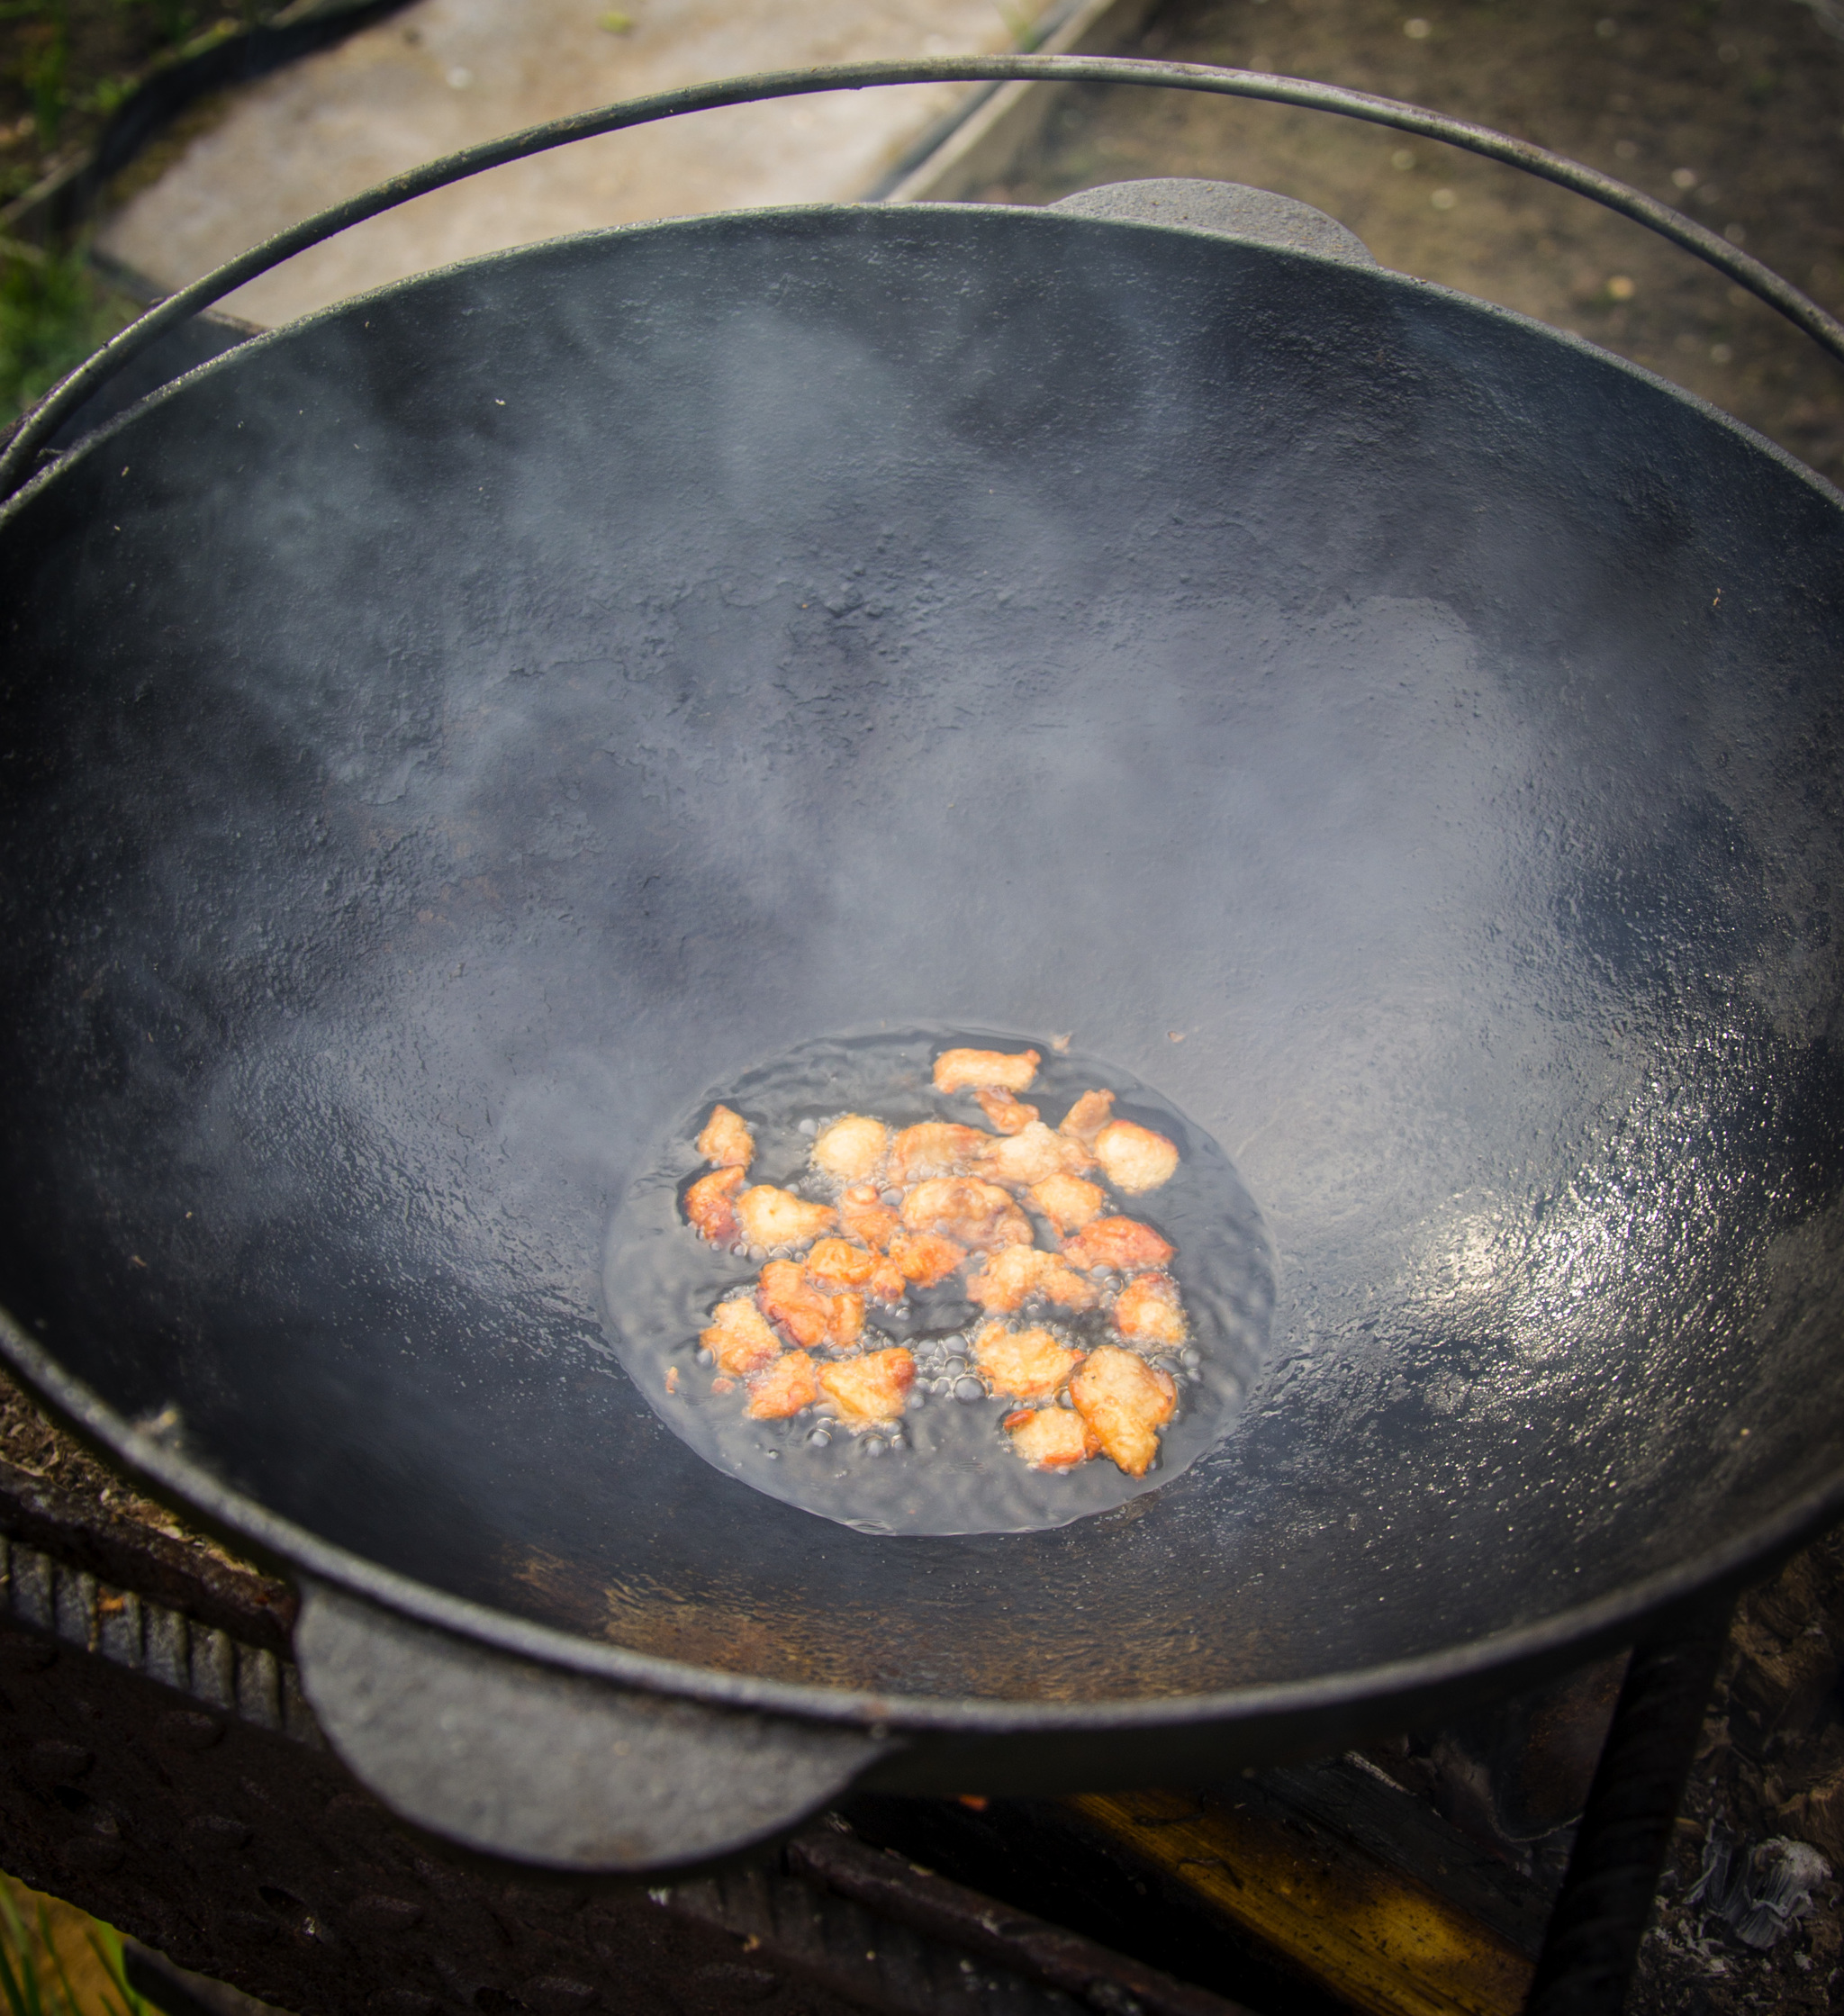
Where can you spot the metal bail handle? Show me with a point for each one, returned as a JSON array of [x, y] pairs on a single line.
[[21, 453]]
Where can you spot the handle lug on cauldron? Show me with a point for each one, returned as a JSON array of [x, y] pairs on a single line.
[[554, 1770], [1225, 209]]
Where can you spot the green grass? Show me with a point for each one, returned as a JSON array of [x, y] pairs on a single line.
[[34, 1980], [54, 311]]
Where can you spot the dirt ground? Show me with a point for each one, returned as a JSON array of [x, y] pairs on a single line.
[[1732, 109]]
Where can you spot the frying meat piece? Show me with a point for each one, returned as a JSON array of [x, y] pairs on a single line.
[[1087, 1118], [710, 1204], [955, 1070], [1134, 1158], [864, 1217], [740, 1337], [1148, 1311], [851, 1149], [871, 1390], [1015, 1272], [848, 1324], [933, 1148], [805, 1316], [1068, 1202], [971, 1213], [926, 1257], [836, 1263], [790, 1301], [1051, 1438], [1023, 1364], [784, 1388], [1126, 1402], [888, 1284], [726, 1142], [1031, 1154], [1004, 1111], [1122, 1243], [839, 1263], [773, 1217]]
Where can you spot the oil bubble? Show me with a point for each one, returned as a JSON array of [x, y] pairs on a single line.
[[968, 1389]]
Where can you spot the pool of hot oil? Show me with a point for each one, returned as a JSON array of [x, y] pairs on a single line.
[[948, 1468]]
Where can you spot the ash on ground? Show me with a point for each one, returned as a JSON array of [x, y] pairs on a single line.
[[1750, 1911]]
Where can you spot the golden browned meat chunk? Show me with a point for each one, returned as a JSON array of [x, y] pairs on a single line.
[[727, 1142], [710, 1204], [869, 1390], [1023, 1364], [1031, 1154], [933, 1148], [1119, 1243], [1126, 1402], [926, 1257], [1006, 1113], [848, 1324], [864, 1217], [773, 1217], [790, 1301], [1134, 1158], [740, 1337], [1087, 1118], [969, 1212], [1015, 1273], [1051, 1438], [955, 1070], [836, 1263], [1068, 1202], [851, 1149], [1148, 1311], [888, 1284], [783, 1387]]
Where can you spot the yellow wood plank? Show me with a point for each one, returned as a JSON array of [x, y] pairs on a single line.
[[1370, 1933]]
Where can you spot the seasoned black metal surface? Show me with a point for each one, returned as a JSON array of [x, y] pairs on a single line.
[[443, 736]]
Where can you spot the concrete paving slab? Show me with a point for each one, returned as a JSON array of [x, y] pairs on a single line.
[[445, 73]]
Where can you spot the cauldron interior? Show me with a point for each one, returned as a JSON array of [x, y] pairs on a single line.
[[444, 735]]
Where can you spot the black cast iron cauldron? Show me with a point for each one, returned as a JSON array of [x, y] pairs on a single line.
[[445, 735]]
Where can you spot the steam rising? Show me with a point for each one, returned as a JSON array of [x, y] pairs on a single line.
[[529, 696]]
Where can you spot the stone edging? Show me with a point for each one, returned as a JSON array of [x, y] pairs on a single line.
[[53, 207]]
